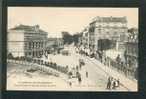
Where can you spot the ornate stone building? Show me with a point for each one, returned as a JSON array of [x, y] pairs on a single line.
[[107, 32], [28, 41]]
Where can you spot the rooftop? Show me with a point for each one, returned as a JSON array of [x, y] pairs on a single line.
[[28, 28], [110, 19], [54, 39]]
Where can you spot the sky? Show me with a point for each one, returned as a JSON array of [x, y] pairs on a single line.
[[54, 20]]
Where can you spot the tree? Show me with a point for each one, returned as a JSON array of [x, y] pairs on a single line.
[[131, 30], [67, 38], [76, 38], [10, 56]]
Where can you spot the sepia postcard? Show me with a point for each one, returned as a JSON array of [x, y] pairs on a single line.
[[72, 49]]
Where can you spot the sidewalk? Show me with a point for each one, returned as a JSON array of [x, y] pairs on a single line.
[[125, 82]]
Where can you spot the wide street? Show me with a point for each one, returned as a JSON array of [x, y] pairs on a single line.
[[96, 76], [96, 80]]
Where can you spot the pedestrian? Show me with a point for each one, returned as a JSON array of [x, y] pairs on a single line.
[[79, 78], [70, 74], [86, 74], [109, 83], [114, 84], [80, 65], [118, 83], [77, 67], [118, 59], [70, 83]]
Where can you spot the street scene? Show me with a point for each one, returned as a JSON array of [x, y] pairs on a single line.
[[72, 49]]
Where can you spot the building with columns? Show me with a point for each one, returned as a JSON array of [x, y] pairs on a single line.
[[28, 41]]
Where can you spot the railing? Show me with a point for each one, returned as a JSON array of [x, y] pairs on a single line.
[[121, 67], [41, 65]]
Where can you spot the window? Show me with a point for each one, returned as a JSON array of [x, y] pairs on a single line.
[[91, 29], [29, 45], [33, 44], [29, 53]]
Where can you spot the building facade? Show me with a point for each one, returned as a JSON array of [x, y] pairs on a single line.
[[28, 41], [106, 33], [84, 40], [131, 52]]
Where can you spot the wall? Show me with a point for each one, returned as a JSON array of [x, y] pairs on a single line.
[[15, 43]]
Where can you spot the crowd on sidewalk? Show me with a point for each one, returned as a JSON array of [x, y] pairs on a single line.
[[123, 67], [113, 83]]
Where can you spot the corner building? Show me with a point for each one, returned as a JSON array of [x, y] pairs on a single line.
[[27, 41], [107, 33]]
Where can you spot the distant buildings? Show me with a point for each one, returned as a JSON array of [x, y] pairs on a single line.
[[54, 44], [84, 40], [28, 41]]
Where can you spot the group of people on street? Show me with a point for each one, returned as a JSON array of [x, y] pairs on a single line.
[[112, 83], [75, 72], [78, 76]]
